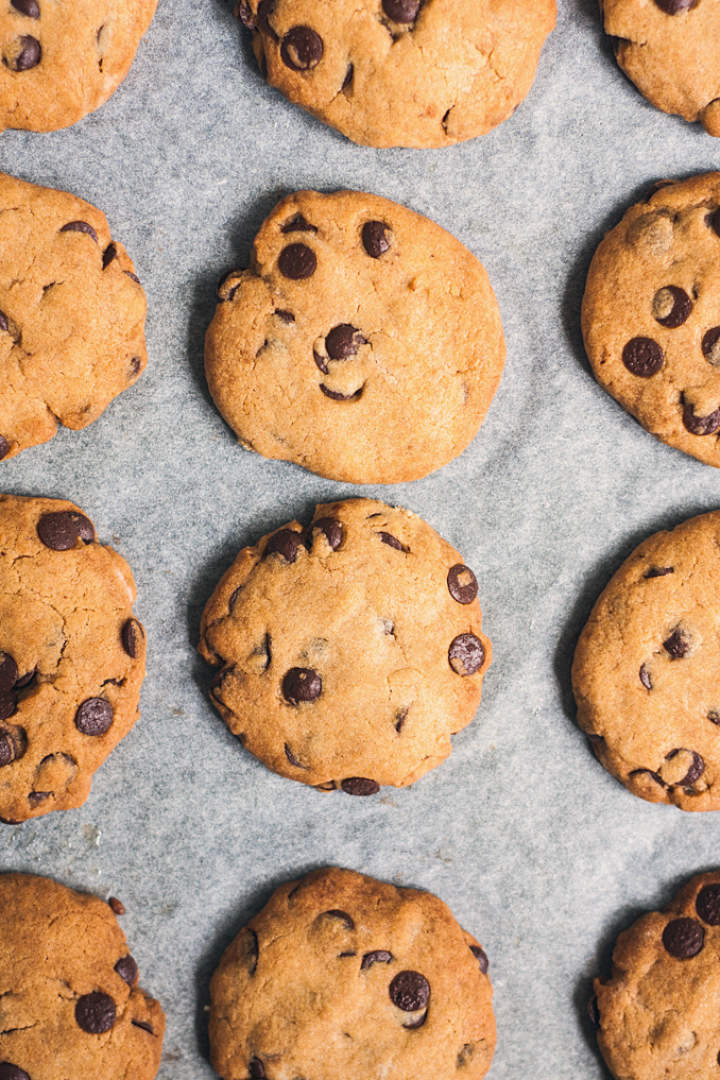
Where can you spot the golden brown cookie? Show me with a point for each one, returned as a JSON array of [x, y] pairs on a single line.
[[646, 674], [657, 1013], [70, 1004], [669, 48], [651, 314], [60, 61], [341, 975], [350, 651], [401, 72], [363, 343], [72, 315], [72, 655]]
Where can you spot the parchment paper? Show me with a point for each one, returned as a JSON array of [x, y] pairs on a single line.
[[540, 853]]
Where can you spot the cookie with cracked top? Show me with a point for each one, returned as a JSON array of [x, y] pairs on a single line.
[[72, 315], [654, 1014], [363, 343], [650, 314], [70, 1003], [343, 975], [72, 655], [59, 62], [350, 650], [647, 668], [423, 73]]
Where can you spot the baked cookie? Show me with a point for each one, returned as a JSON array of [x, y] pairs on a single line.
[[62, 61], [341, 975], [350, 650], [650, 314], [656, 1016], [72, 315], [401, 72], [668, 48], [646, 674], [364, 342], [72, 656], [70, 1005]]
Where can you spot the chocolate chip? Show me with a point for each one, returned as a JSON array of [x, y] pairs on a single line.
[[37, 797], [711, 346], [360, 785], [7, 749], [337, 396], [379, 956], [675, 7], [659, 571], [707, 904], [61, 531], [256, 1069], [700, 425], [642, 357], [245, 14], [344, 955], [252, 951], [4, 324], [695, 769], [671, 306], [466, 654], [8, 705], [109, 254], [401, 11], [132, 636], [645, 677], [332, 529], [483, 962], [133, 277], [127, 969], [410, 991], [677, 645], [29, 55], [649, 772], [117, 905], [376, 238], [302, 48], [285, 543], [593, 1011], [94, 717], [343, 341], [4, 447], [26, 679], [683, 938], [143, 1025], [462, 584], [95, 1013], [713, 220], [349, 76], [400, 718], [298, 223], [8, 1071], [301, 684], [81, 227], [393, 542], [286, 316], [336, 913], [8, 672], [714, 716], [31, 8], [292, 759], [297, 261]]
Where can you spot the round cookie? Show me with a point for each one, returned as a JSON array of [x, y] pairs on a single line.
[[72, 315], [341, 975], [363, 343], [72, 656], [646, 673], [350, 651], [650, 314], [656, 1016], [668, 48], [61, 61], [70, 1005], [422, 73]]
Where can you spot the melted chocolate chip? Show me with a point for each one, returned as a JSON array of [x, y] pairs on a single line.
[[28, 56], [285, 543], [401, 11], [132, 637], [683, 938], [8, 672], [700, 425], [301, 684], [376, 238], [645, 677], [81, 227], [336, 913], [675, 7], [695, 769], [297, 261], [94, 717], [343, 341], [31, 8], [298, 223], [335, 395], [60, 531], [360, 785], [4, 447], [393, 542], [642, 357], [332, 530], [671, 306], [8, 1071], [677, 645], [711, 346], [127, 969], [379, 956], [410, 991], [462, 584], [466, 654], [707, 904], [483, 962], [95, 1013], [302, 48], [659, 571]]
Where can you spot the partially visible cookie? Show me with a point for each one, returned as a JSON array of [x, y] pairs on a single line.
[[651, 318], [70, 1004], [646, 674], [341, 975], [363, 343], [401, 72], [72, 655], [669, 50], [72, 314], [60, 61], [656, 1016], [349, 651]]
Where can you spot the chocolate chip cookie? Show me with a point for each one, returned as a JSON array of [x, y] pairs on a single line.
[[61, 61], [350, 650], [72, 655], [72, 315], [646, 673], [341, 975], [668, 48], [363, 343], [650, 314], [401, 72], [656, 1015], [70, 1004]]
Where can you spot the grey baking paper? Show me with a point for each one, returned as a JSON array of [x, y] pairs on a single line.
[[539, 853]]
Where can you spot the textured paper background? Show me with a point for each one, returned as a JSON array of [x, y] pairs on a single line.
[[539, 853]]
